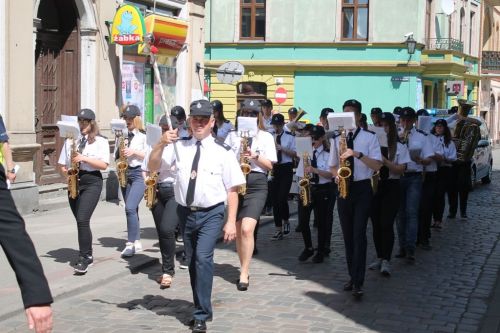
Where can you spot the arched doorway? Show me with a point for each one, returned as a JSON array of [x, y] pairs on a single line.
[[57, 80]]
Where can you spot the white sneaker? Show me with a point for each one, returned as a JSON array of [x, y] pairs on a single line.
[[129, 250], [375, 266], [137, 246], [385, 268]]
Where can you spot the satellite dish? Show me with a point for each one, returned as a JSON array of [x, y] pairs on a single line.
[[230, 72], [448, 6]]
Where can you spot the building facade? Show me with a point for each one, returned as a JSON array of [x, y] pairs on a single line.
[[327, 51], [56, 58]]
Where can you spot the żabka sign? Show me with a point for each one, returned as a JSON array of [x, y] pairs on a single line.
[[128, 26]]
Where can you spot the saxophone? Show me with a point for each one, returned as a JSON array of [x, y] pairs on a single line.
[[73, 172], [344, 172], [122, 164], [244, 162], [305, 182], [150, 191]]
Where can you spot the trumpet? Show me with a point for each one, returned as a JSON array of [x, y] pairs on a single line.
[[73, 171], [244, 161], [344, 172], [305, 182]]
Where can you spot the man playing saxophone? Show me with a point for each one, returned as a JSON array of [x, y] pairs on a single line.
[[321, 195], [364, 156]]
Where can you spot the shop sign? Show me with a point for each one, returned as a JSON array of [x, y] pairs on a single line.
[[128, 26], [454, 87], [169, 34], [400, 78]]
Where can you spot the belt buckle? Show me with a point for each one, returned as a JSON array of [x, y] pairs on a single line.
[[193, 208]]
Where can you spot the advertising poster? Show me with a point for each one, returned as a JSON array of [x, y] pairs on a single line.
[[133, 84]]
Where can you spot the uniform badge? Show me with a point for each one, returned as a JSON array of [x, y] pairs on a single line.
[[198, 105], [193, 174], [251, 103]]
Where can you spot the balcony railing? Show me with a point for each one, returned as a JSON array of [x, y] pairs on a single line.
[[449, 44], [491, 61]]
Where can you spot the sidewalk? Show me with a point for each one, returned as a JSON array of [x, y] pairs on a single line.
[[55, 238]]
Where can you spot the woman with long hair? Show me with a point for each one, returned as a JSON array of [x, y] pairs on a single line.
[[444, 173], [385, 202], [92, 156], [133, 191], [222, 126], [261, 155]]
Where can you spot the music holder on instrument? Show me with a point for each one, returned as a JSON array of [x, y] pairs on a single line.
[[344, 120], [119, 127], [303, 145], [248, 125]]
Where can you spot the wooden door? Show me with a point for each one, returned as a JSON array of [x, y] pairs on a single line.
[[57, 92]]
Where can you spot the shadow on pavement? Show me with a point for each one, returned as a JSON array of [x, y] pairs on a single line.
[[117, 243], [149, 233], [63, 255], [228, 272]]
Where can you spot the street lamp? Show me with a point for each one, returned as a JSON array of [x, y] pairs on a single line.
[[410, 44]]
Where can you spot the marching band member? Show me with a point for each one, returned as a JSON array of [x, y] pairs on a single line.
[[260, 156], [323, 117], [222, 126], [321, 196], [201, 202], [282, 176], [420, 148], [164, 212], [375, 114], [444, 173], [133, 192], [92, 157], [385, 201], [363, 153], [182, 125], [267, 114]]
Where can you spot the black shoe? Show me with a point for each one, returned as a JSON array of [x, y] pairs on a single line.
[[306, 254], [179, 238], [348, 286], [357, 291], [199, 326], [410, 257], [318, 258], [286, 228], [464, 216], [451, 216], [401, 254], [242, 286], [83, 264]]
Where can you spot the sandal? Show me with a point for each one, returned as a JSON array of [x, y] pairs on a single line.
[[165, 281]]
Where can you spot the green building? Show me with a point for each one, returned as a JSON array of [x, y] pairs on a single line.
[[324, 52]]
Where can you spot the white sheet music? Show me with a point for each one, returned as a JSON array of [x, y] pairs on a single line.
[[248, 124], [68, 129], [119, 125], [153, 134], [425, 123], [303, 144], [345, 120]]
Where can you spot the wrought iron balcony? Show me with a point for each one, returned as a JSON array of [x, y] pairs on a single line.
[[449, 44], [491, 61]]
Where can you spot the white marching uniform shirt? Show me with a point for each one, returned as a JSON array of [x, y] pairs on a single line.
[[287, 142], [98, 150], [138, 142], [402, 157], [418, 142], [449, 152], [218, 171], [224, 130], [365, 142], [437, 147], [267, 123], [166, 174], [262, 143], [322, 158]]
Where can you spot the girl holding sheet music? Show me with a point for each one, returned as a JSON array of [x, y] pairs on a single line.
[[90, 156], [261, 155], [395, 156]]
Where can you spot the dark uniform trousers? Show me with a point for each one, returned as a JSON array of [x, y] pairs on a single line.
[[280, 187], [90, 186], [426, 206], [20, 251], [385, 206], [166, 220], [444, 182], [322, 197], [353, 214], [461, 172], [202, 228]]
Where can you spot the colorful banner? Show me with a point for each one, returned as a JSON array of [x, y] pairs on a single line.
[[169, 34], [128, 26], [133, 84]]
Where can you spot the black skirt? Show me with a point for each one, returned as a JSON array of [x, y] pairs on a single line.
[[252, 203]]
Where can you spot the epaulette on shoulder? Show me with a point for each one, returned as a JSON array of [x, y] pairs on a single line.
[[185, 138], [332, 135], [222, 144], [367, 130], [226, 121], [142, 131], [289, 133], [422, 132]]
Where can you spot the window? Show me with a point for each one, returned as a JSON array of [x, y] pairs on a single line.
[[354, 19], [252, 19]]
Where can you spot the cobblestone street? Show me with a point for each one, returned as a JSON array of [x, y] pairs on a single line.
[[445, 291]]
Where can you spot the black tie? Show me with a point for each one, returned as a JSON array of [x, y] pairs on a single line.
[[278, 141], [81, 146], [194, 174], [130, 137], [314, 164], [350, 144]]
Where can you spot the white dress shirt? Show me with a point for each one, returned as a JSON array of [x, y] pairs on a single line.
[[99, 150], [224, 130], [138, 143], [402, 157], [218, 171], [287, 142], [365, 142], [322, 158], [437, 147], [166, 174], [262, 143], [449, 152], [418, 142]]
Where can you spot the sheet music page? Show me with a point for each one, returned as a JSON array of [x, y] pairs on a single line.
[[343, 119], [248, 124], [153, 134]]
